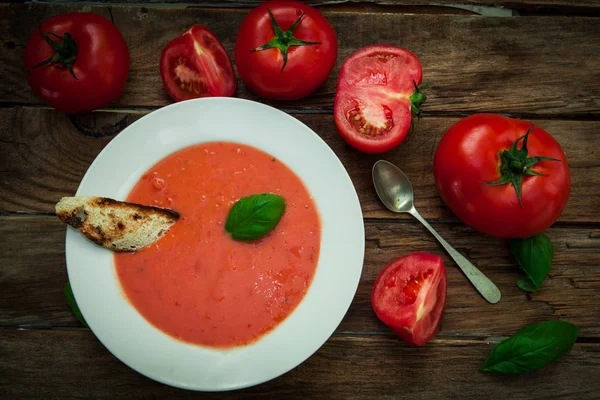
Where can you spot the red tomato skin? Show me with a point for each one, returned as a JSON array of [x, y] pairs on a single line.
[[220, 82], [395, 94], [403, 319], [307, 66], [101, 66], [468, 155]]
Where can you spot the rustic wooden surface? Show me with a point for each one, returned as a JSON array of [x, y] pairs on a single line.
[[58, 149], [32, 283], [542, 68], [475, 64], [347, 366], [545, 6]]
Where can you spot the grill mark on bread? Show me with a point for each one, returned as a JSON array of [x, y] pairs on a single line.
[[105, 201]]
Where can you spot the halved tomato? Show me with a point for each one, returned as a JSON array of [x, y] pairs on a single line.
[[195, 64], [409, 296], [377, 96]]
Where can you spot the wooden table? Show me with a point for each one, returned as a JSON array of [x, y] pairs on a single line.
[[542, 65]]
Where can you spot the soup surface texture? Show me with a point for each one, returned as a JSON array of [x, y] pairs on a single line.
[[196, 283]]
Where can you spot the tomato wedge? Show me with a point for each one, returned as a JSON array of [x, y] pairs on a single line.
[[409, 296], [377, 96], [196, 64]]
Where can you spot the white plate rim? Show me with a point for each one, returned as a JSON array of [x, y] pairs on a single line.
[[75, 243]]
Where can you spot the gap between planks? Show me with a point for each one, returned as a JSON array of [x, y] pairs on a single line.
[[561, 224], [438, 338], [142, 110]]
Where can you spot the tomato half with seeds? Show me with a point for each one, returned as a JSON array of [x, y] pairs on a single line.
[[377, 97], [196, 64], [409, 296]]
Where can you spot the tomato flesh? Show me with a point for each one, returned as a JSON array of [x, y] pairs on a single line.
[[409, 296], [187, 78], [469, 155], [373, 99], [196, 64]]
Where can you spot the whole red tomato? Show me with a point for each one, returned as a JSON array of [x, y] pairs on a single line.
[[377, 97], [77, 62], [195, 64], [502, 176], [409, 296], [285, 50]]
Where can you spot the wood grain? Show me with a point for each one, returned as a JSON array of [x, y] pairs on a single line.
[[33, 274], [74, 363], [523, 66], [564, 6], [44, 154]]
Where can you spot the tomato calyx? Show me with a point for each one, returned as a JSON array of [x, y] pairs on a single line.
[[283, 40], [515, 164], [66, 51], [417, 98]]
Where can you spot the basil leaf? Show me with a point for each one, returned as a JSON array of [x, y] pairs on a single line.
[[526, 284], [254, 216], [531, 348], [534, 256], [73, 304]]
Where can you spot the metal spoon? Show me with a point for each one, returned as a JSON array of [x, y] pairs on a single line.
[[396, 193]]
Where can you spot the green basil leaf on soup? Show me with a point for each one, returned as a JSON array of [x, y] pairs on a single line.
[[254, 216]]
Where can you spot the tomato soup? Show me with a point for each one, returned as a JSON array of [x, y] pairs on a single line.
[[198, 284]]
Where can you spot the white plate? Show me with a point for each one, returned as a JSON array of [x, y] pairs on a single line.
[[153, 353]]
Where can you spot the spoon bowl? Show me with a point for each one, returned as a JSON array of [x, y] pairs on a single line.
[[396, 192], [393, 187]]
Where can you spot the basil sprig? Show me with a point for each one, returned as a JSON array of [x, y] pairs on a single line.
[[254, 216], [531, 348], [534, 256], [73, 304]]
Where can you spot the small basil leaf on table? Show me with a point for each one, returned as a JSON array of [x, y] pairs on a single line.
[[254, 216], [531, 348], [534, 256], [73, 304], [526, 284]]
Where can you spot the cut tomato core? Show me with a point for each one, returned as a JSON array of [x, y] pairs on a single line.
[[413, 286], [371, 120], [187, 78], [384, 57]]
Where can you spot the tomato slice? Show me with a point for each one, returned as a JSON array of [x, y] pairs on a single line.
[[409, 296], [196, 64], [377, 96]]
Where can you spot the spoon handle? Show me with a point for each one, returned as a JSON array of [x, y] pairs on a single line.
[[482, 283]]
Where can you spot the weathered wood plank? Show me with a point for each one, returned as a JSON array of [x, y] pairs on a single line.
[[44, 154], [530, 65], [33, 273], [63, 364], [564, 6]]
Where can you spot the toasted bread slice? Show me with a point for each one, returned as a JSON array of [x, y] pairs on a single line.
[[116, 225]]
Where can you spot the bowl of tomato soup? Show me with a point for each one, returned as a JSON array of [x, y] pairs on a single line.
[[197, 309], [199, 285]]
